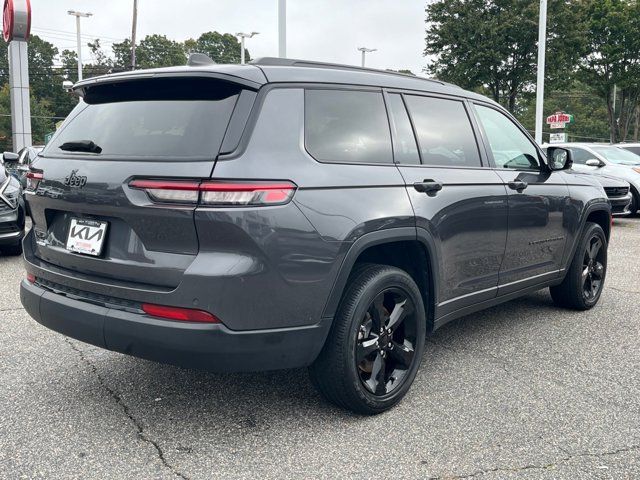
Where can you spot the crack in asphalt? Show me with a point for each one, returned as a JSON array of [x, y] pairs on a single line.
[[118, 399], [558, 462], [617, 289], [10, 309]]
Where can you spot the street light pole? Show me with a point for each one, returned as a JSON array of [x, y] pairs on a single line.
[[78, 15], [134, 28], [364, 51], [242, 37], [282, 28], [542, 47]]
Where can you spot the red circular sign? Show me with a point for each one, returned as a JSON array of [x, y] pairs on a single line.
[[7, 20], [16, 20]]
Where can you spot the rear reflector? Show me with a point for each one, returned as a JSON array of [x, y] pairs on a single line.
[[31, 278], [218, 193], [181, 314]]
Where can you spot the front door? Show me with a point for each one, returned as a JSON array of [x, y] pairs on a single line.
[[458, 201], [538, 203]]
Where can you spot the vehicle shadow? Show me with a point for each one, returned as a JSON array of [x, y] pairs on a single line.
[[257, 402]]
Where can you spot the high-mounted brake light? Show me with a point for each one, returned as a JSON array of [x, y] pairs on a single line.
[[218, 193], [180, 314], [33, 180]]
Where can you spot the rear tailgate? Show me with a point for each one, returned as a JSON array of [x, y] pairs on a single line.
[[141, 128]]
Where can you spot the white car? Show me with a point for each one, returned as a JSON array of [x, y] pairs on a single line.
[[610, 160], [632, 147]]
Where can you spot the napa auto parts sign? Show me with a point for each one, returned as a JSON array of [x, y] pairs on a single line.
[[16, 20], [559, 120]]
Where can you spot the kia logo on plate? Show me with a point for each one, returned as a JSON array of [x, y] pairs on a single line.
[[74, 180]]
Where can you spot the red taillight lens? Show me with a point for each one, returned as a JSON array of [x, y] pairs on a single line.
[[33, 180], [181, 314], [218, 193], [31, 278], [254, 193], [169, 191]]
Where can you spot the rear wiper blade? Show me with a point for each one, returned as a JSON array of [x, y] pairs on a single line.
[[80, 146]]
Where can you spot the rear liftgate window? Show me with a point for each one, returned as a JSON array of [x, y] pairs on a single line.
[[176, 119]]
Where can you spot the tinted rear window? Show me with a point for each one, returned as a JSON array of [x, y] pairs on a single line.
[[347, 126], [159, 119], [444, 132]]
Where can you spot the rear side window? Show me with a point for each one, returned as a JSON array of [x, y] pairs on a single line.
[[347, 126], [444, 132], [176, 120]]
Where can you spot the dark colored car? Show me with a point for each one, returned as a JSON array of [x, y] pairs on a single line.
[[618, 192], [12, 214], [286, 214]]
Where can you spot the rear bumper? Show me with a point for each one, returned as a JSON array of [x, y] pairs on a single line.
[[204, 346]]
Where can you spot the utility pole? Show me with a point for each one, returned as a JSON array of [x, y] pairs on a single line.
[[242, 37], [364, 51], [542, 47], [78, 15], [134, 27], [282, 28]]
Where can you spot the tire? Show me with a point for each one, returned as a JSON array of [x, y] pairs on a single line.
[[360, 367], [635, 204], [13, 250], [583, 283]]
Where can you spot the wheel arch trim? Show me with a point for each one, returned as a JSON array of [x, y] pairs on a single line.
[[376, 238]]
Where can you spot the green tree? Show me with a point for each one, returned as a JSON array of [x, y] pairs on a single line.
[[41, 119], [154, 51], [491, 45], [222, 48], [612, 59]]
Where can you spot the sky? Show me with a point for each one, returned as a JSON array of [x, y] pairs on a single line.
[[325, 30]]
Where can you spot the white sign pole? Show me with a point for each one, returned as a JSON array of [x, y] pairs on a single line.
[[19, 94], [542, 46]]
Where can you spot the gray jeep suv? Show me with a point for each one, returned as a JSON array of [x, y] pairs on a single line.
[[287, 214]]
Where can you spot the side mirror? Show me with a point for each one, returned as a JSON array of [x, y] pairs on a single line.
[[594, 162], [559, 158], [8, 157]]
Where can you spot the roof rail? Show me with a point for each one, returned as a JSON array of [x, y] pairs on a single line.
[[292, 62]]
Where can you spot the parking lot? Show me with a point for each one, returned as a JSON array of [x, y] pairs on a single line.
[[520, 390]]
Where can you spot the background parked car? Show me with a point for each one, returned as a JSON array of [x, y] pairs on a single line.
[[609, 160], [18, 164], [12, 213], [618, 192], [631, 147]]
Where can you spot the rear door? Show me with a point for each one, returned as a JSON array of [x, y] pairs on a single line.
[[147, 128], [539, 203], [456, 198]]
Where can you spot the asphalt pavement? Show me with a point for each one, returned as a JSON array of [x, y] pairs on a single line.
[[521, 390]]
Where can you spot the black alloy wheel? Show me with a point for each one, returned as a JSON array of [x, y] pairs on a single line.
[[374, 348], [386, 342]]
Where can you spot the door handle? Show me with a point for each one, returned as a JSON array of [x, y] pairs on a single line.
[[518, 185], [428, 186]]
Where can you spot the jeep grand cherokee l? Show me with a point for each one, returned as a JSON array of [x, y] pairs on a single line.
[[286, 214]]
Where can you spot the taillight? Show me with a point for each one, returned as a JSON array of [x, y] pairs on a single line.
[[31, 278], [253, 193], [180, 314], [33, 180], [218, 193]]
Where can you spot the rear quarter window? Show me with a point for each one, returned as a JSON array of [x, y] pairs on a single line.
[[347, 126]]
